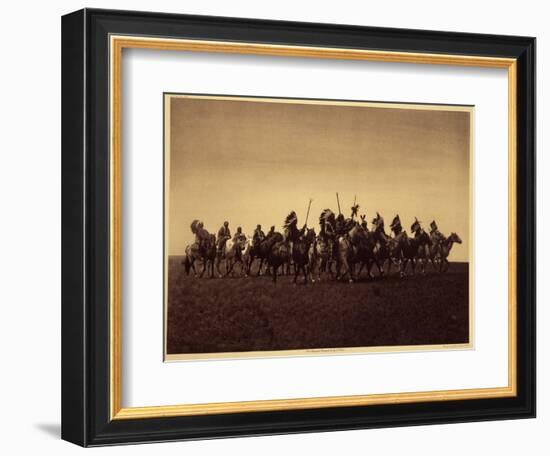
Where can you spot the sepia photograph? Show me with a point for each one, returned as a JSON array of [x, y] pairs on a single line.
[[301, 227]]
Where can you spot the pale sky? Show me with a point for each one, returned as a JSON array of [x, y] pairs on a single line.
[[251, 161]]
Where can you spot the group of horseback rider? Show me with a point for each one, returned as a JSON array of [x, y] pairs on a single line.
[[224, 234], [334, 234]]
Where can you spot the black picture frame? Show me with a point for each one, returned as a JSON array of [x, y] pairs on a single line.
[[85, 228]]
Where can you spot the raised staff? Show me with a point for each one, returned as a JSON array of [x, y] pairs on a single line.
[[308, 208]]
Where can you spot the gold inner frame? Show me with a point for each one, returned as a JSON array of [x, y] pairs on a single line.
[[117, 44]]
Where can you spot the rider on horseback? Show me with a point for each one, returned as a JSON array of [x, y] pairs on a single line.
[[291, 231], [224, 234], [259, 235], [270, 233], [435, 234], [239, 235], [416, 229], [420, 234], [396, 227], [364, 224]]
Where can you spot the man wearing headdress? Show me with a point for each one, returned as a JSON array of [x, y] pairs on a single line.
[[396, 227], [291, 231], [354, 210], [364, 224], [223, 235], [416, 229], [343, 225], [435, 234], [201, 235], [327, 222]]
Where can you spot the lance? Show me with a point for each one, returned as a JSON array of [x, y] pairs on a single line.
[[308, 207], [338, 201]]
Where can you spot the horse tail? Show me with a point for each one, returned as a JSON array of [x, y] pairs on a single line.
[[187, 264]]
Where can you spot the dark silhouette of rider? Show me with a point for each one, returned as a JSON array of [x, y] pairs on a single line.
[[259, 235]]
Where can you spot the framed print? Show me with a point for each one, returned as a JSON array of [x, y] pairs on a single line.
[[275, 227]]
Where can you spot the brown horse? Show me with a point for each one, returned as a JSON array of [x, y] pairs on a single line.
[[205, 251], [440, 252], [278, 253], [385, 248], [412, 250], [209, 256], [300, 254], [259, 249]]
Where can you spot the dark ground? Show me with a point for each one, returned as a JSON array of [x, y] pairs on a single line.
[[252, 314]]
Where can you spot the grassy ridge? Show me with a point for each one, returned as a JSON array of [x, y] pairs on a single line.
[[250, 314]]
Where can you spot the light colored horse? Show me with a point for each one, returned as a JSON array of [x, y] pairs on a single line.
[[321, 257], [191, 255], [234, 252]]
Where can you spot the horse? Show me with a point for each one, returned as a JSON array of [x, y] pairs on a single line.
[[350, 248], [191, 255], [385, 248], [233, 253], [277, 253], [347, 257], [444, 249], [368, 245], [209, 255], [300, 254], [413, 250], [321, 256], [205, 250], [259, 249]]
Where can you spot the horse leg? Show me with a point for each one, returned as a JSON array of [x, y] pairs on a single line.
[[403, 268], [204, 264], [369, 263], [361, 266], [243, 268], [228, 266], [352, 273], [347, 270], [218, 262], [259, 273], [380, 265]]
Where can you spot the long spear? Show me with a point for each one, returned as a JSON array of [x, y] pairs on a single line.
[[308, 207], [353, 210], [338, 201]]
